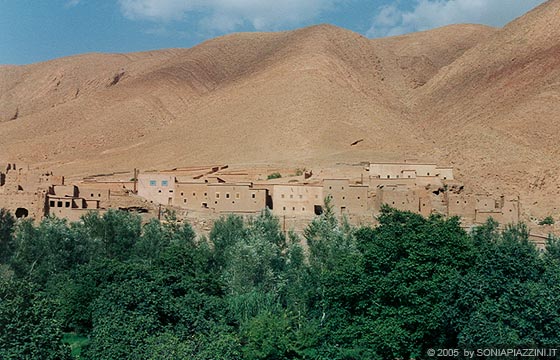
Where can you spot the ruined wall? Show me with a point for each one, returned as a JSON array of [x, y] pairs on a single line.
[[425, 203], [445, 173], [510, 211], [25, 204], [462, 205], [398, 197]]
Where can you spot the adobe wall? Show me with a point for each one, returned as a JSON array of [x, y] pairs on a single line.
[[422, 181], [398, 197], [346, 198], [236, 198], [445, 173], [73, 215], [425, 203], [299, 200], [65, 190], [158, 188], [487, 203], [114, 186], [34, 203], [98, 193], [395, 170], [510, 211], [375, 182], [192, 196], [462, 205]]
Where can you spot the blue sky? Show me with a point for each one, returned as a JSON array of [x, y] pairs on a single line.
[[39, 30]]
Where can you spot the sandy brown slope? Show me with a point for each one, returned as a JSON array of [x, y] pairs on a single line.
[[300, 96], [495, 109]]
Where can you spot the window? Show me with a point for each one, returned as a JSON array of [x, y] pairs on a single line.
[[185, 201], [282, 196], [91, 195], [182, 194], [303, 209], [170, 190], [98, 195], [67, 204], [159, 191], [428, 174], [227, 195], [51, 203], [59, 204], [294, 208], [253, 195], [205, 194], [284, 208], [388, 176], [164, 183], [152, 183], [217, 195], [193, 194], [237, 195]]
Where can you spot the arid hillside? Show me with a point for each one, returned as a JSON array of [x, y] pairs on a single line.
[[482, 99], [494, 110]]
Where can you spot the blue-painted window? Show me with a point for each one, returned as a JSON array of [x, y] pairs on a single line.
[[164, 183], [153, 183]]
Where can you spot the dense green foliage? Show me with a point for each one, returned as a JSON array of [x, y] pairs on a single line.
[[116, 289]]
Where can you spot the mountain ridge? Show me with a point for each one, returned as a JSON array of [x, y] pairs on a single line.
[[480, 98]]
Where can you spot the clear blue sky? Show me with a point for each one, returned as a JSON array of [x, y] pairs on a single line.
[[39, 30]]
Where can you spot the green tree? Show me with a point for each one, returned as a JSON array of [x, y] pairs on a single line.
[[28, 323], [115, 233], [7, 224], [499, 301], [48, 249], [393, 300]]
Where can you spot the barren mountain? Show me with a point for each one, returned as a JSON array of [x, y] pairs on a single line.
[[483, 99], [494, 110]]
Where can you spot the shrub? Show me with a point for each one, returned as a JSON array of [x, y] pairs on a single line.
[[275, 175], [547, 221]]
